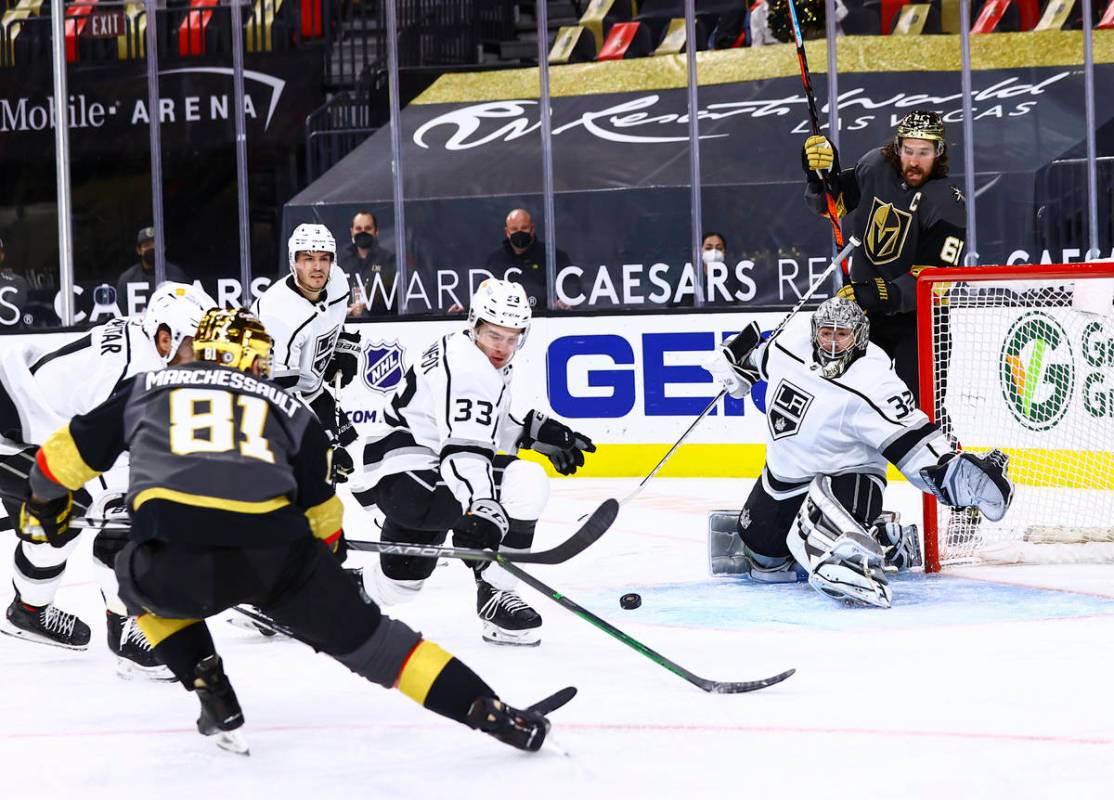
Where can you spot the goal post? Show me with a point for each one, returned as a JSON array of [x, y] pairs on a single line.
[[1022, 358]]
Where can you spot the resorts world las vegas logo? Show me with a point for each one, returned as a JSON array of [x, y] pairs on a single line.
[[1036, 371]]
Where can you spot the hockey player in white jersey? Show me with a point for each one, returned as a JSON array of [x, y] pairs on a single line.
[[304, 313], [435, 467], [836, 414], [40, 392]]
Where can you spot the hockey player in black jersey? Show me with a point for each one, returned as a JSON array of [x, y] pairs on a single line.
[[231, 504], [907, 215]]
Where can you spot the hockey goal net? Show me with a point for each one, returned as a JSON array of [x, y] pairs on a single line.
[[1022, 358]]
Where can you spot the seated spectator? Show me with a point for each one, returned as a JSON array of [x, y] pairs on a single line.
[[522, 249], [135, 285], [370, 267]]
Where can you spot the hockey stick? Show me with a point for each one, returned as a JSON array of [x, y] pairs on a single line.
[[814, 119], [596, 526], [835, 262], [715, 687]]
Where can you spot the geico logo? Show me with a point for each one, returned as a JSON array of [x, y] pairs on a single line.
[[604, 375]]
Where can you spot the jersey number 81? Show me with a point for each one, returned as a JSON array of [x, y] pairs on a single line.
[[209, 411]]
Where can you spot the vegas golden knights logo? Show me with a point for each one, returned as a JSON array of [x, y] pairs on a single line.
[[886, 230]]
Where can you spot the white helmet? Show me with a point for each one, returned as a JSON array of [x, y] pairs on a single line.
[[500, 303], [178, 306], [310, 237]]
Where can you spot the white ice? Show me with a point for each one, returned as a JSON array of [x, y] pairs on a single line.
[[989, 682]]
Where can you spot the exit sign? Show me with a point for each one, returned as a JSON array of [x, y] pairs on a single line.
[[105, 25]]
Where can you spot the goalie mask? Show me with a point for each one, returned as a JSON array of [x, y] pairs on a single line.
[[233, 338], [179, 308], [837, 314], [927, 125], [310, 238], [503, 303]]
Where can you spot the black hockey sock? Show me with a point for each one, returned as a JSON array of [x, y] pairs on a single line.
[[179, 649], [441, 682]]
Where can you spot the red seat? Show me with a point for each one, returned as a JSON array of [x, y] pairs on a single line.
[[990, 17], [78, 14], [1107, 21], [619, 41], [191, 32], [311, 19], [890, 9]]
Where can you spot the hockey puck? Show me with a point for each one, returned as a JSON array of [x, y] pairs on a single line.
[[630, 601]]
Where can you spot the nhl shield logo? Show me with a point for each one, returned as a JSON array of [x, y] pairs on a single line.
[[384, 365]]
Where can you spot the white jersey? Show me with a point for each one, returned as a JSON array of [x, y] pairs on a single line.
[[48, 389], [304, 332], [853, 423], [451, 413]]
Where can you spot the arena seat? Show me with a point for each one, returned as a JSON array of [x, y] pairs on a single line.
[[1055, 15], [600, 15], [573, 44], [1107, 21], [673, 38], [191, 31], [913, 20], [1006, 15], [626, 40]]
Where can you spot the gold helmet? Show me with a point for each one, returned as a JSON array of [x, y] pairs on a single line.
[[927, 125], [233, 338]]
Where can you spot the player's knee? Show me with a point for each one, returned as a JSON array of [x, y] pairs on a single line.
[[381, 656], [106, 547], [405, 567], [524, 490]]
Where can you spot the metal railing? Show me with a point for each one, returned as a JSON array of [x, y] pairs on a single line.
[[1061, 206]]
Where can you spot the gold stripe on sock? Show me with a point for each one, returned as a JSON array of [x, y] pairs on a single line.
[[158, 629], [421, 670]]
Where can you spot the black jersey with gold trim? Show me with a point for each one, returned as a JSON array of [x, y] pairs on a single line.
[[901, 227], [206, 436]]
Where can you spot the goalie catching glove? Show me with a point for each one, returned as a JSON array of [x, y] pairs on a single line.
[[47, 520], [563, 446], [482, 527], [346, 359], [731, 363], [965, 480]]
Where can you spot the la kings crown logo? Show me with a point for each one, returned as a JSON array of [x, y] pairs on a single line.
[[788, 409]]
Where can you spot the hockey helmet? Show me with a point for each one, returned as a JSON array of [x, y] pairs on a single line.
[[927, 125], [502, 303], [839, 312], [234, 338], [313, 238], [179, 307]]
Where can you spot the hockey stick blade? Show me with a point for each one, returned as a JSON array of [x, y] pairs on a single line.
[[548, 705], [596, 526], [714, 687]]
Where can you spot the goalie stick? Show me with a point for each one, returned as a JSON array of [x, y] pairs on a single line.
[[835, 262]]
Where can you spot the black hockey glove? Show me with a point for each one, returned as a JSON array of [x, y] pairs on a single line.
[[558, 442], [341, 465], [873, 295], [340, 548], [47, 520], [346, 359], [482, 527]]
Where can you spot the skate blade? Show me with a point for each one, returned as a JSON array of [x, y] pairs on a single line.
[[528, 638], [128, 670], [35, 638], [247, 624], [232, 741], [551, 743]]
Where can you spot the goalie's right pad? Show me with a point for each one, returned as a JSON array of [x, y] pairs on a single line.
[[844, 562], [731, 363], [965, 480], [900, 544]]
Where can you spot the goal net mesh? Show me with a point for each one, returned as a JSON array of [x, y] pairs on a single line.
[[1026, 364]]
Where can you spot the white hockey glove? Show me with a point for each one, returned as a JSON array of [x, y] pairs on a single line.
[[964, 480], [563, 446], [482, 527]]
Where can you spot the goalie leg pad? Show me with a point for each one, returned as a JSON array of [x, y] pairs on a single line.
[[844, 562], [900, 543], [729, 555], [965, 480]]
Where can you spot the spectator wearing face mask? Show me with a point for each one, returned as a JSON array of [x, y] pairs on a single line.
[[720, 283], [374, 265], [136, 283], [523, 250]]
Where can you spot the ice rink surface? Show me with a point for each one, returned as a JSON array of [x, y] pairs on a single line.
[[982, 683]]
